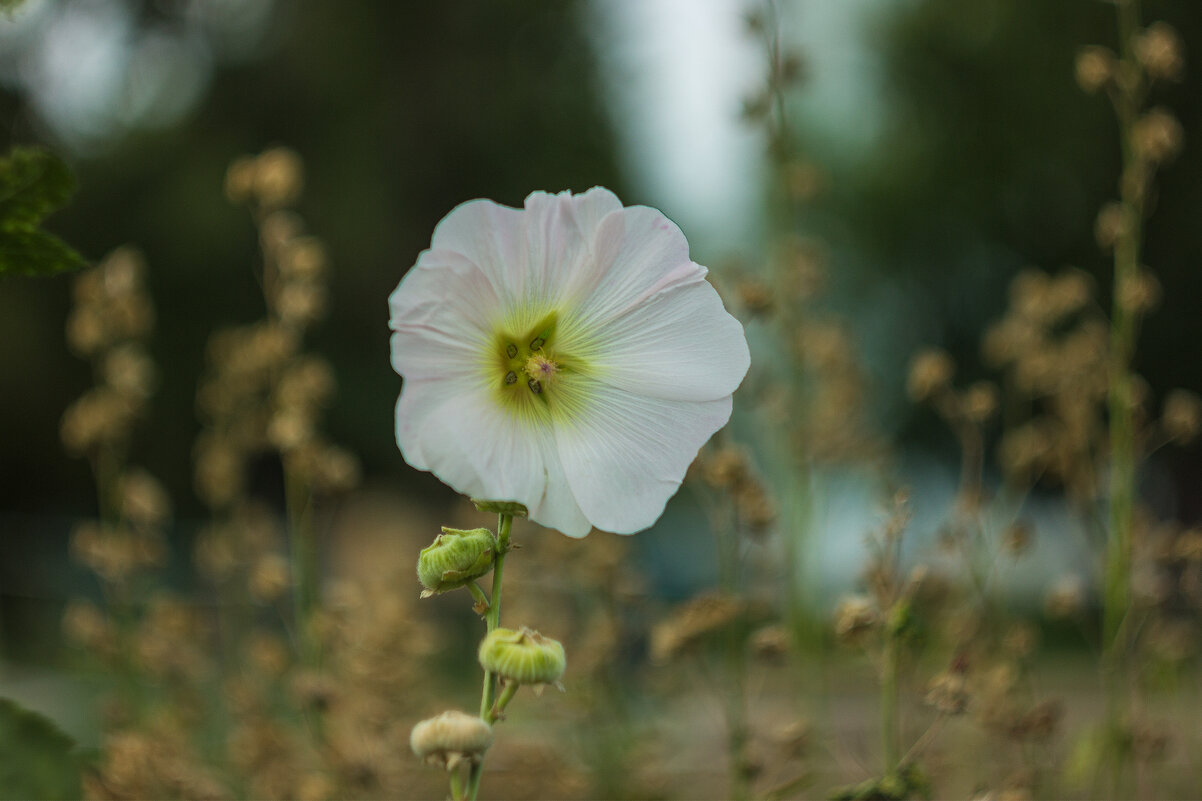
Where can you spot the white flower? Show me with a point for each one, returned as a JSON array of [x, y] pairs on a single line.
[[568, 356]]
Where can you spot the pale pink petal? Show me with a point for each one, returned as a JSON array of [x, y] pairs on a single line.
[[435, 314], [678, 345], [453, 429], [625, 455], [638, 253]]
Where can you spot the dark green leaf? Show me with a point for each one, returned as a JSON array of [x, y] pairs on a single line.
[[33, 183], [36, 757], [35, 252]]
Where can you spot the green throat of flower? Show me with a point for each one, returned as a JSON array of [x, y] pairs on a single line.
[[533, 375]]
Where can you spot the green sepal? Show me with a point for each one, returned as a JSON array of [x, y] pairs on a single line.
[[455, 558], [511, 508]]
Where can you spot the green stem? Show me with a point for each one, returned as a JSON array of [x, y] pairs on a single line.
[[889, 733], [456, 785], [303, 551], [492, 619], [1123, 330], [498, 709]]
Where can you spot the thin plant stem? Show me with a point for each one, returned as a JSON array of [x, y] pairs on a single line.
[[889, 718], [492, 619], [1123, 331], [303, 551]]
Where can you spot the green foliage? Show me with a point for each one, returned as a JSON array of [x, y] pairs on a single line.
[[36, 757], [33, 183]]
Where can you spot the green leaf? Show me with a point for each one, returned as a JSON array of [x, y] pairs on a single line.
[[33, 183], [34, 252], [36, 757]]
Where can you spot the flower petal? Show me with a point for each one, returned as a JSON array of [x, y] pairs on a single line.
[[490, 236], [680, 344], [435, 315], [453, 429], [625, 455], [637, 253]]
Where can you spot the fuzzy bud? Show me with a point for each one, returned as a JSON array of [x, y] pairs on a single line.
[[455, 558], [450, 739], [523, 656]]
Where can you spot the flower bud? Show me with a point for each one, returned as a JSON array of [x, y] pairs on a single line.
[[523, 656], [500, 507], [451, 738], [455, 558]]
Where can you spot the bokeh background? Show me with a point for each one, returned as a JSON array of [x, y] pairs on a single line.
[[947, 145]]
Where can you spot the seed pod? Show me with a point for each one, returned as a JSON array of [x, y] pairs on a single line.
[[455, 558], [450, 739], [523, 656]]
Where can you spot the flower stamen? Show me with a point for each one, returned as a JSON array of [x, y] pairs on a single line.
[[511, 377]]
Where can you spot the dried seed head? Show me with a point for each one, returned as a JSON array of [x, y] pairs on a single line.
[[1157, 136], [756, 296], [930, 374], [725, 468], [1066, 598], [278, 177], [854, 617], [1182, 416], [240, 179], [1139, 293], [270, 578], [1160, 52], [450, 739], [948, 692], [1017, 537], [693, 623], [770, 643], [979, 402], [1095, 67], [143, 500], [1111, 225]]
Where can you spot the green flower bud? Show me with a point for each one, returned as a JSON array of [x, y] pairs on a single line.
[[523, 656], [500, 507], [455, 558], [450, 739]]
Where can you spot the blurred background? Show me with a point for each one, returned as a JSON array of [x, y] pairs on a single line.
[[939, 148]]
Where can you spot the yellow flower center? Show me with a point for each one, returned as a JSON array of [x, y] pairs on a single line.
[[532, 375]]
